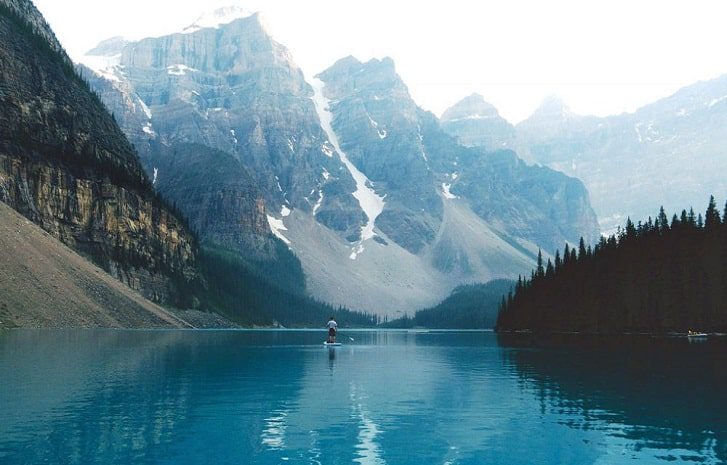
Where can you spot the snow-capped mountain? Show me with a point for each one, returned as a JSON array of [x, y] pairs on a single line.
[[217, 18], [421, 170], [670, 153], [384, 210]]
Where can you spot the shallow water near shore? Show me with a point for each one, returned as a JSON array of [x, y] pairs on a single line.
[[384, 397]]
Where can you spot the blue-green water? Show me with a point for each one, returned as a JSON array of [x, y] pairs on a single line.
[[272, 397]]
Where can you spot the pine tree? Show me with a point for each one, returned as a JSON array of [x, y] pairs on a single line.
[[664, 278], [558, 261], [630, 229], [540, 271], [582, 249], [712, 220], [691, 221], [662, 220]]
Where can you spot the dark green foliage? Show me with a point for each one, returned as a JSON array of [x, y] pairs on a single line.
[[472, 306], [650, 277], [712, 220], [94, 141], [247, 296]]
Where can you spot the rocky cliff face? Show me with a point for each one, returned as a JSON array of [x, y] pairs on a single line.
[[65, 164], [379, 129], [379, 204], [668, 153], [407, 154], [234, 90], [476, 123]]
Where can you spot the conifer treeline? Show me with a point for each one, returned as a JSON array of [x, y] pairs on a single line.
[[659, 276], [248, 296], [471, 306]]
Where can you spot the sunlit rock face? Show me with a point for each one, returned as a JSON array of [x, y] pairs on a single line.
[[409, 156], [65, 165], [227, 89], [386, 212]]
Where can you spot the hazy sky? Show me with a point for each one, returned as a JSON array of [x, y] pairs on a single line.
[[601, 57]]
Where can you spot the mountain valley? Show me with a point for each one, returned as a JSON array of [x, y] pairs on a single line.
[[386, 212]]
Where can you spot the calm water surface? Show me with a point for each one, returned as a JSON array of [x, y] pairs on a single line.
[[272, 397]]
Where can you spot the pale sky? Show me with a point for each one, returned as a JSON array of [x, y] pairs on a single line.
[[601, 57]]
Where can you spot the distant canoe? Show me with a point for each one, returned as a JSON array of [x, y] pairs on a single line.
[[696, 335]]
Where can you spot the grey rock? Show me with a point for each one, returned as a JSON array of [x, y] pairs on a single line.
[[406, 152], [233, 136], [668, 153], [66, 165], [476, 123]]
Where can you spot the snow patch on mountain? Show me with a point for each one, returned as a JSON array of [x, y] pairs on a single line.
[[447, 193], [472, 117], [106, 66], [356, 251], [179, 69], [276, 226], [327, 150], [148, 130], [371, 203], [371, 120], [716, 101], [217, 18], [318, 203], [145, 108]]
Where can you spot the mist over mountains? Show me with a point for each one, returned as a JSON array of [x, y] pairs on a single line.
[[336, 187], [669, 153], [384, 209]]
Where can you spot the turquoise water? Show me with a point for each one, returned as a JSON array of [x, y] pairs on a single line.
[[280, 397]]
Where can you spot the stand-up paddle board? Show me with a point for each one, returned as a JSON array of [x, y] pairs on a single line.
[[332, 344]]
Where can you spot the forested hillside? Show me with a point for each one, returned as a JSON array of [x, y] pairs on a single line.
[[266, 293], [660, 276], [473, 306]]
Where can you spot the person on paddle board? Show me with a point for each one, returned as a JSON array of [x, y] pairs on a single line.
[[332, 330]]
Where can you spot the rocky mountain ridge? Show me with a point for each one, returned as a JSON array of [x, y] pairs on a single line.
[[666, 153], [65, 165], [419, 168], [360, 183], [477, 123]]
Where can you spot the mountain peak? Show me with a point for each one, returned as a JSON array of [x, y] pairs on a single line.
[[377, 72], [218, 17], [473, 106], [109, 47], [553, 107]]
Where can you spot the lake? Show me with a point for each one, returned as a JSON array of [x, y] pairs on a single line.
[[384, 397]]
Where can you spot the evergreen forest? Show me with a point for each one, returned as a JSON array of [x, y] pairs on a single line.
[[660, 276]]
